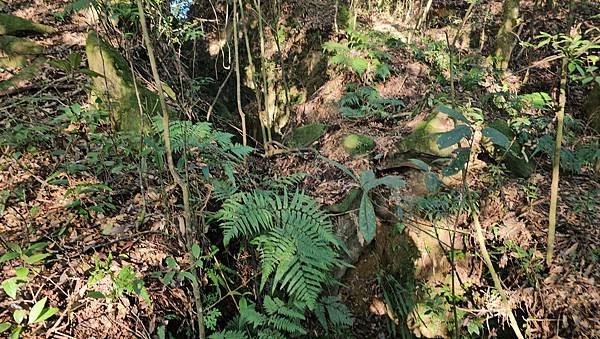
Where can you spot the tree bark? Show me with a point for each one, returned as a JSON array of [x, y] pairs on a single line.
[[505, 40]]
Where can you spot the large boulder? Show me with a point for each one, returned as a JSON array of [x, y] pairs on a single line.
[[115, 85], [14, 25]]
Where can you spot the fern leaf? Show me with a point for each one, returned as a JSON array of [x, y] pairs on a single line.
[[294, 237], [229, 334]]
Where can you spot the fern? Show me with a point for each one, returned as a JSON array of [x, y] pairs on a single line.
[[294, 237], [359, 55], [365, 101], [229, 334], [331, 308], [216, 149], [287, 181]]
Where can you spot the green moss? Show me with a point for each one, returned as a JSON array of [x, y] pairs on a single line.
[[356, 144], [305, 135], [350, 202], [12, 45], [14, 61], [14, 25], [424, 138], [115, 85]]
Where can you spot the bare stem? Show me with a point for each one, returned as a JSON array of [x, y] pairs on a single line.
[[560, 115], [176, 177]]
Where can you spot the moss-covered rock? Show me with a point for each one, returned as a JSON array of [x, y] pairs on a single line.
[[305, 135], [17, 51], [356, 144], [350, 202], [515, 163], [14, 25], [12, 45], [115, 85], [424, 137], [13, 61]]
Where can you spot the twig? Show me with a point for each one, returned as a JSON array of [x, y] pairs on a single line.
[[495, 278], [214, 102], [238, 75], [95, 245]]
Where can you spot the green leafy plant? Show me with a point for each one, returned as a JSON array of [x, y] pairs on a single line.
[[581, 53], [359, 54], [37, 313], [280, 319], [571, 160], [365, 101], [401, 298], [332, 314], [294, 237], [367, 181], [125, 281], [216, 148], [12, 286], [89, 197]]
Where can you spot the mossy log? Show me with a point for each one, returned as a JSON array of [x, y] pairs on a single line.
[[114, 85]]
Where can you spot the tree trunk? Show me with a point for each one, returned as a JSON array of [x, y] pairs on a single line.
[[505, 40]]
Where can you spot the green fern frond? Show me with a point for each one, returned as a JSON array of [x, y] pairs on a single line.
[[295, 239], [337, 47], [249, 315], [223, 189], [278, 306], [286, 181], [331, 310], [271, 334], [284, 324], [229, 334]]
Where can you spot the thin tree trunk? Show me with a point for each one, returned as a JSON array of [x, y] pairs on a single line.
[[237, 74], [560, 115], [505, 40], [176, 177]]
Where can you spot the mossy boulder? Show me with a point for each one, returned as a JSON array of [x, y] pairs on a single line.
[[424, 137], [12, 45], [356, 144], [16, 52], [14, 25], [513, 160], [305, 135], [114, 85]]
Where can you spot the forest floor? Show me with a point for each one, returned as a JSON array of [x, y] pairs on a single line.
[[90, 222]]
